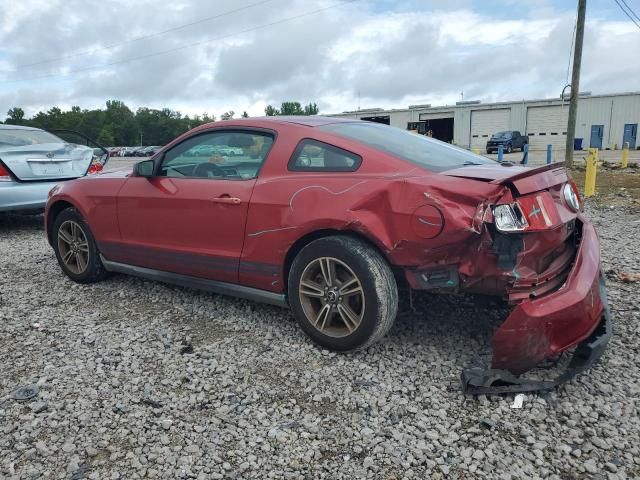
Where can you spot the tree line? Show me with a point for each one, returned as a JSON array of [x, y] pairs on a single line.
[[118, 125]]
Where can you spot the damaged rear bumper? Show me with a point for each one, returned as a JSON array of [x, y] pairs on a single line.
[[576, 315]]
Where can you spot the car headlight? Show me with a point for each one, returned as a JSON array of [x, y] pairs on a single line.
[[571, 197], [509, 218]]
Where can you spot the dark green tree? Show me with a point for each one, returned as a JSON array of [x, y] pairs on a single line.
[[116, 124], [245, 114], [291, 108], [121, 122], [270, 111], [106, 137], [311, 109], [15, 116]]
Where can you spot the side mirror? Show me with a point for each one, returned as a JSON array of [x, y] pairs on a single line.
[[143, 169]]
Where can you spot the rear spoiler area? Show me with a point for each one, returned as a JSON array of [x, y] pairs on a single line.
[[536, 179]]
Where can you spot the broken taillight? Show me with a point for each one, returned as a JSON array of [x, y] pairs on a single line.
[[509, 218], [527, 214], [571, 195]]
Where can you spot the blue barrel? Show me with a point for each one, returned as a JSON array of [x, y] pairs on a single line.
[[577, 144]]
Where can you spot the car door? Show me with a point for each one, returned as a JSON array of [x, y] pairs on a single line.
[[517, 140], [189, 217]]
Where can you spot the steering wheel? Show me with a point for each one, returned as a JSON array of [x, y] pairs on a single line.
[[204, 169]]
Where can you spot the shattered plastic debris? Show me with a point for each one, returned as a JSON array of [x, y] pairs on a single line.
[[487, 423], [25, 393], [518, 401]]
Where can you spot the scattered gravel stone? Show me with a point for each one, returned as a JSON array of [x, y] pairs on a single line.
[[25, 393], [137, 379], [38, 407]]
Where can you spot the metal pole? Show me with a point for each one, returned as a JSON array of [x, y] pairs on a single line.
[[500, 152], [549, 154], [625, 155], [575, 84], [525, 155], [590, 174]]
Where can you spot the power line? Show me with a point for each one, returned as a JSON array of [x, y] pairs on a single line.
[[631, 10], [137, 39], [181, 47], [627, 13]]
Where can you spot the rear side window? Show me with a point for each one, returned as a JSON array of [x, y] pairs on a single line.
[[314, 156], [418, 149], [20, 138]]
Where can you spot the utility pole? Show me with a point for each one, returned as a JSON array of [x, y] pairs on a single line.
[[575, 84]]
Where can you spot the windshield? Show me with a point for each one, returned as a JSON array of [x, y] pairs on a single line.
[[426, 152], [19, 138], [502, 135]]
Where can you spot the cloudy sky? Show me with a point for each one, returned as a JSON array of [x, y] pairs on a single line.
[[216, 55]]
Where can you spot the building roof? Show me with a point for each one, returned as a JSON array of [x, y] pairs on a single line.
[[379, 111]]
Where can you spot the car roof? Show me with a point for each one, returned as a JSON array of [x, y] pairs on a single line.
[[308, 120], [4, 126], [304, 120]]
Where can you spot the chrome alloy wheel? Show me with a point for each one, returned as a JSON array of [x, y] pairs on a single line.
[[73, 247], [332, 297]]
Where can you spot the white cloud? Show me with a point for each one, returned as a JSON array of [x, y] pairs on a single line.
[[390, 57]]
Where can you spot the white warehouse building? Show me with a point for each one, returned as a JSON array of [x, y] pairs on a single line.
[[604, 121]]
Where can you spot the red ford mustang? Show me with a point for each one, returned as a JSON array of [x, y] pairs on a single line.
[[328, 216]]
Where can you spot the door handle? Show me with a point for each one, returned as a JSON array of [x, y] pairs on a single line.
[[227, 200]]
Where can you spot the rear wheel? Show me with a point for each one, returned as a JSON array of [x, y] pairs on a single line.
[[76, 249], [343, 293]]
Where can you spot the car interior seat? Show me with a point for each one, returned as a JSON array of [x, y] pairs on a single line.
[[335, 160]]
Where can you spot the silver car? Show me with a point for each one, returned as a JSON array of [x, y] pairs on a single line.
[[32, 161]]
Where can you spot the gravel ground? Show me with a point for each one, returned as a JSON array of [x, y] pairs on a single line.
[[141, 380]]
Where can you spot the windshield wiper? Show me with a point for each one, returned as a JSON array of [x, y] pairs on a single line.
[[465, 164]]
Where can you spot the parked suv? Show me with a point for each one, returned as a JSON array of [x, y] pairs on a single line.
[[510, 140]]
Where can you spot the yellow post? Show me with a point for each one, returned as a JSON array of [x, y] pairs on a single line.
[[590, 174], [476, 151], [625, 155]]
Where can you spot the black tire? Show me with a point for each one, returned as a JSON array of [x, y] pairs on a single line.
[[378, 285], [488, 151], [522, 148], [94, 270], [509, 148]]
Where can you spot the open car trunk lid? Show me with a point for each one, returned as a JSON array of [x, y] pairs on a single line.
[[524, 180], [47, 161]]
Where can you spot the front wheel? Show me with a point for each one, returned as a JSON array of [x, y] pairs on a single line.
[[343, 293], [509, 148], [76, 249]]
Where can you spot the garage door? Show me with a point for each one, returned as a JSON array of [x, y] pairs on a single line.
[[435, 115], [485, 123], [547, 126]]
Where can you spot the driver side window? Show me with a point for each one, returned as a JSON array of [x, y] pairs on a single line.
[[228, 154]]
